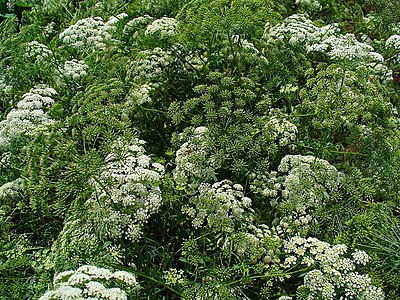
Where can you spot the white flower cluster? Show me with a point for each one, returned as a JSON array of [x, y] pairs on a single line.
[[299, 30], [90, 34], [148, 66], [127, 191], [134, 24], [4, 86], [49, 30], [163, 28], [297, 181], [139, 95], [308, 180], [393, 42], [281, 130], [192, 159], [379, 71], [260, 243], [37, 52], [79, 240], [310, 5], [87, 282], [301, 184], [12, 189], [346, 47], [75, 69], [220, 206], [333, 276], [28, 116], [393, 45]]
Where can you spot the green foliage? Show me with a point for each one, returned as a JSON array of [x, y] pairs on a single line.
[[330, 111], [218, 155], [209, 23]]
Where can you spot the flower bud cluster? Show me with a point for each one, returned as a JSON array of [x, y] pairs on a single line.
[[128, 191], [75, 69], [91, 282], [192, 159], [28, 116], [37, 52], [174, 277], [221, 207], [163, 28], [332, 275], [90, 34]]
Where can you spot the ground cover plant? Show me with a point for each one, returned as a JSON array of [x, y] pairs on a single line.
[[199, 149]]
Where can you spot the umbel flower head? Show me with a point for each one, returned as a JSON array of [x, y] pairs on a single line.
[[74, 69], [163, 27], [127, 191], [37, 52], [28, 116], [221, 207], [332, 275], [91, 282], [192, 159], [90, 34]]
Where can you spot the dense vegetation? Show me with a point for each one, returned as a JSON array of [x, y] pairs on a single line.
[[200, 149]]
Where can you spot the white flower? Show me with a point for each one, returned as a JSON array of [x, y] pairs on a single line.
[[37, 51], [11, 189], [297, 29], [29, 116], [281, 130], [393, 42], [78, 278], [94, 288], [95, 272], [69, 293], [128, 187], [113, 294], [219, 206], [74, 69], [192, 163], [164, 27], [140, 95], [126, 277], [90, 34], [346, 47], [360, 257], [139, 21], [60, 277]]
